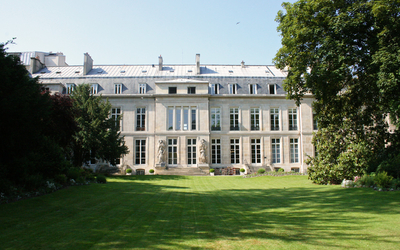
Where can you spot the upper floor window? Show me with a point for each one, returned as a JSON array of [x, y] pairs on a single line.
[[274, 112], [118, 88], [215, 119], [292, 119], [191, 90], [70, 88], [142, 88], [182, 118], [115, 114], [233, 88], [140, 119], [272, 89], [214, 88], [253, 89], [171, 90], [234, 118], [94, 89]]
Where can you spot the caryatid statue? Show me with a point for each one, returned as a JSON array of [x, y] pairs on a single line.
[[203, 151], [161, 152]]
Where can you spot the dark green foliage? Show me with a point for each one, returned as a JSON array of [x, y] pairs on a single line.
[[61, 179], [151, 171], [212, 170], [346, 53], [242, 170], [261, 171], [129, 170], [74, 173], [382, 180], [98, 133], [101, 179], [367, 180]]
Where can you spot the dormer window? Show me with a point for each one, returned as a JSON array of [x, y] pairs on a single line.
[[142, 88], [272, 89], [233, 88], [70, 88], [253, 89], [94, 88], [118, 88], [214, 88]]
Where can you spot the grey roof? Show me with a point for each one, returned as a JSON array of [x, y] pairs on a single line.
[[107, 71]]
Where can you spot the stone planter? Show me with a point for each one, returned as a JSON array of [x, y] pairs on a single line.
[[242, 173], [212, 174], [128, 173]]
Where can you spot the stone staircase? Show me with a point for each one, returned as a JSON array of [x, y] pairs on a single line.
[[181, 171]]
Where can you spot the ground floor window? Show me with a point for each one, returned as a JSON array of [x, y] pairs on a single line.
[[294, 150], [255, 151], [191, 151], [296, 170], [216, 151], [276, 150], [140, 149], [139, 171], [172, 151], [235, 151]]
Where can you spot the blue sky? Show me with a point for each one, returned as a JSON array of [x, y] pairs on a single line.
[[137, 32]]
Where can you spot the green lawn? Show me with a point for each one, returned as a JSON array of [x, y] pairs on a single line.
[[179, 212]]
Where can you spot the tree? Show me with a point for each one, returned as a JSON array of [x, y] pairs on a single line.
[[98, 134], [347, 54], [29, 154]]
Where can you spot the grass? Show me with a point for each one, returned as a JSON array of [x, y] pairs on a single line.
[[222, 212]]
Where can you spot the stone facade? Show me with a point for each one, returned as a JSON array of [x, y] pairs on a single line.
[[206, 115]]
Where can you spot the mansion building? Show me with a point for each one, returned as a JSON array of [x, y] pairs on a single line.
[[193, 116]]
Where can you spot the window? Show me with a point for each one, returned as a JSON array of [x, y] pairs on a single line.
[[70, 88], [216, 151], [292, 119], [140, 150], [315, 122], [235, 151], [276, 150], [191, 151], [253, 89], [181, 118], [94, 89], [272, 89], [215, 119], [171, 90], [234, 118], [296, 170], [140, 119], [140, 171], [274, 119], [294, 150], [115, 114], [214, 88], [172, 152], [255, 118], [233, 88], [142, 88], [117, 88], [191, 90], [255, 151]]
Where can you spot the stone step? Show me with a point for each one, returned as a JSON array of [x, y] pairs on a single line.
[[181, 171]]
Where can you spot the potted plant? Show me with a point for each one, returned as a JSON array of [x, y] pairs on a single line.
[[151, 171], [242, 171], [212, 171], [128, 171]]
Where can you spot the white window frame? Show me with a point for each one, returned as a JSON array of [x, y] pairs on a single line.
[[141, 152], [140, 118], [233, 88], [115, 113], [214, 88], [215, 118], [191, 151], [274, 119], [173, 155], [94, 89], [117, 88], [176, 118], [255, 144], [253, 89], [293, 121], [191, 88], [235, 146], [274, 89], [142, 88], [294, 150], [275, 150], [70, 87], [255, 119], [216, 151], [236, 122]]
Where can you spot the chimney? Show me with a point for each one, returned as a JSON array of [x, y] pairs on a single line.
[[242, 64], [87, 63], [160, 63], [35, 65], [198, 64]]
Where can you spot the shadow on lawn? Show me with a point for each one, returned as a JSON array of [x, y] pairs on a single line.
[[159, 212], [169, 216]]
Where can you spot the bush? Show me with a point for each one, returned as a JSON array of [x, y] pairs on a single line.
[[80, 179], [74, 173], [101, 179], [366, 180], [212, 170], [151, 171], [281, 170], [261, 171], [91, 177], [61, 179], [242, 170], [383, 180], [395, 184], [129, 170]]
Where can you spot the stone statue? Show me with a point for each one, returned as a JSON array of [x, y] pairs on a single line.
[[161, 152], [203, 151]]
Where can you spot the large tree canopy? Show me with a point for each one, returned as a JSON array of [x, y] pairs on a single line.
[[347, 54]]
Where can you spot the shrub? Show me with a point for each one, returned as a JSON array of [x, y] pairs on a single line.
[[91, 177], [80, 179], [383, 180], [261, 171], [73, 173], [101, 179], [61, 178], [34, 181], [242, 170], [212, 170], [281, 170], [366, 180], [395, 184], [151, 171], [129, 170]]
